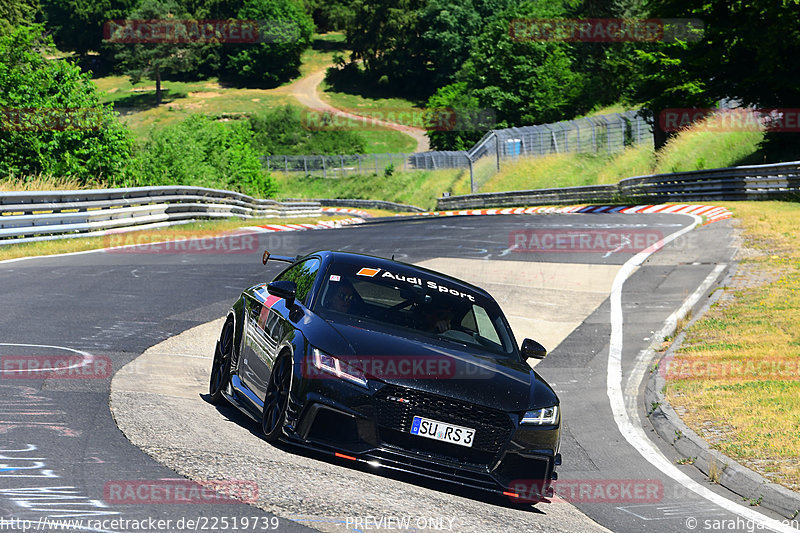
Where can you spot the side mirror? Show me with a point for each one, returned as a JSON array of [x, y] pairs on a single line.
[[531, 348], [283, 289]]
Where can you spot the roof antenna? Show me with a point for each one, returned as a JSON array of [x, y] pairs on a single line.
[[392, 257]]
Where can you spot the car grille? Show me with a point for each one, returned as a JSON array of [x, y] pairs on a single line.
[[493, 428]]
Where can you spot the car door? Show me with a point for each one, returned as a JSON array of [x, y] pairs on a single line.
[[268, 325]]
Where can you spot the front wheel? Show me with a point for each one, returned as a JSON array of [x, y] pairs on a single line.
[[276, 400], [221, 366]]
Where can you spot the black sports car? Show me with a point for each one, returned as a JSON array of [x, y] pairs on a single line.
[[393, 365]]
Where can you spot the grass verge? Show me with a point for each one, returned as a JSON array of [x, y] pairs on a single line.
[[420, 188], [736, 378], [693, 149]]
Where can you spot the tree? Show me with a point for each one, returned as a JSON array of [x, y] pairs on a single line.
[[17, 13], [143, 59], [526, 81], [284, 36], [747, 51], [463, 124], [77, 25], [52, 119], [385, 36]]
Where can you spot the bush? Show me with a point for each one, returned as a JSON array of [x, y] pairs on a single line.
[[52, 120], [203, 152], [284, 131]]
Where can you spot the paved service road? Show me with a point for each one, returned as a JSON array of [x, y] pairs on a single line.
[[64, 456]]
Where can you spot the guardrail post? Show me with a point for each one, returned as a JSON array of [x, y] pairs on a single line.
[[358, 157], [341, 158], [305, 165], [286, 164], [376, 164], [497, 150], [471, 175], [324, 170]]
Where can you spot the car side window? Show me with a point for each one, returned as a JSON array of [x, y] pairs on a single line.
[[303, 274]]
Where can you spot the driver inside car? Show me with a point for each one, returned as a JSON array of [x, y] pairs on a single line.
[[341, 297], [436, 319]]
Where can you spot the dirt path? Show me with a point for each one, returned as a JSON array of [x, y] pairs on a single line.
[[306, 91]]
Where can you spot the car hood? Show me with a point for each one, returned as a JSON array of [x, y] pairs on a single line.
[[441, 367]]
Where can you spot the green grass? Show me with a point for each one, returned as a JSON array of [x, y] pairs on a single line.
[[136, 103], [740, 384], [693, 149], [419, 188]]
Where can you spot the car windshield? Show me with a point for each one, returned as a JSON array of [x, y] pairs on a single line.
[[410, 300]]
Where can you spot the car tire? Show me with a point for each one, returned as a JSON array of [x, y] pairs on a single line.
[[276, 400], [221, 366]]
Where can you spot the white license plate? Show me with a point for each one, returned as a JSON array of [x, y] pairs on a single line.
[[433, 429]]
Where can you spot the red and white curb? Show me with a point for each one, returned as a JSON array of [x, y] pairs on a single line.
[[322, 224], [348, 210], [710, 213]]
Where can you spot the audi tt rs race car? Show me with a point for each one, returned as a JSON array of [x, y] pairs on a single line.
[[393, 365]]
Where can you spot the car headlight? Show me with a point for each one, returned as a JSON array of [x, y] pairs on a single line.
[[340, 369], [547, 416]]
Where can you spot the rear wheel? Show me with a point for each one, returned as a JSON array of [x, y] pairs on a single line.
[[277, 399], [221, 366]]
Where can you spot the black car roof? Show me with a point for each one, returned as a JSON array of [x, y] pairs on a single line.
[[351, 258]]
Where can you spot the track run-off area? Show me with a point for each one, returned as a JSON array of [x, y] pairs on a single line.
[[112, 441]]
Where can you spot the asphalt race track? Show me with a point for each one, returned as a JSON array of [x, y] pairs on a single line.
[[65, 458]]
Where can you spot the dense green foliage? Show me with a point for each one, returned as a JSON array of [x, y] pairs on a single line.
[[15, 13], [77, 25], [203, 152], [748, 51], [289, 131], [454, 54], [52, 119], [287, 33]]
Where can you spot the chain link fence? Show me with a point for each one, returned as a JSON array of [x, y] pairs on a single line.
[[338, 166], [600, 134]]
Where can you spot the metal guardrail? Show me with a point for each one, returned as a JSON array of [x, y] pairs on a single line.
[[368, 204], [753, 182], [46, 215]]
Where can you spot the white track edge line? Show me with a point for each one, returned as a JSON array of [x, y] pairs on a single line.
[[634, 434]]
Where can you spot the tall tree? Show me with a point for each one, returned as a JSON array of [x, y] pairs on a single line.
[[747, 51], [527, 81], [151, 59]]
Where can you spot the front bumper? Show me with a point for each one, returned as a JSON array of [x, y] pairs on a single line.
[[373, 427]]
